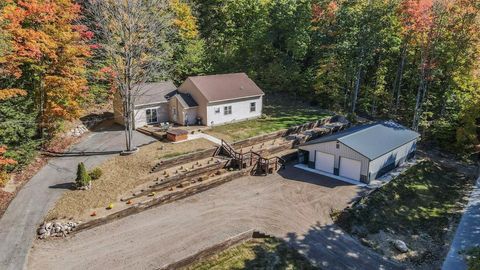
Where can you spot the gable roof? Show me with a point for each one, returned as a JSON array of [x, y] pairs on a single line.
[[186, 100], [226, 86], [156, 92], [372, 140]]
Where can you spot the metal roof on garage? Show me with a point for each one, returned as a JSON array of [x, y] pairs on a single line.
[[372, 140]]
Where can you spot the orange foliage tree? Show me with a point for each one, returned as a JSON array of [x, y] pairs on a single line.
[[49, 48]]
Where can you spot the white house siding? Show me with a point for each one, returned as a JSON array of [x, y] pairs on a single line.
[[240, 111], [342, 151], [392, 158], [191, 115], [141, 115]]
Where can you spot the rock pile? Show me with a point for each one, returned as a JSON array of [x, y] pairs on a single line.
[[77, 131], [55, 229]]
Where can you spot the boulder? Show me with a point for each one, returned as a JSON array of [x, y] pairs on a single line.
[[42, 231], [400, 246]]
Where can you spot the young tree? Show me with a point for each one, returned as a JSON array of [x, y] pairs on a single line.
[[83, 178], [133, 36]]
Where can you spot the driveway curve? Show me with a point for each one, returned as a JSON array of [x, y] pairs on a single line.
[[26, 211], [294, 205]]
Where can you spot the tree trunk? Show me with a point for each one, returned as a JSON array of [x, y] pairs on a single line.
[[357, 81], [397, 87], [422, 89], [356, 88]]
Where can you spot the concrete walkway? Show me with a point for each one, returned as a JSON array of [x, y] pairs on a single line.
[[26, 211], [205, 136], [294, 205], [467, 234]]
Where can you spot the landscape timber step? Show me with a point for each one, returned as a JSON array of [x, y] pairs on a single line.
[[174, 181], [175, 161], [168, 198]]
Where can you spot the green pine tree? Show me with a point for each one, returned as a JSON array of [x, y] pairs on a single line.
[[83, 179]]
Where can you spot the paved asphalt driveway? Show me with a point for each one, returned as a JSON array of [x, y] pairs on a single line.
[[294, 205], [467, 234], [26, 211]]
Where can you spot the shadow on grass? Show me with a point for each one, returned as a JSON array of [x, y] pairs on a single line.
[[329, 247]]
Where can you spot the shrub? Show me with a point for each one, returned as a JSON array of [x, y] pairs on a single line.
[[4, 177], [95, 173], [83, 179]]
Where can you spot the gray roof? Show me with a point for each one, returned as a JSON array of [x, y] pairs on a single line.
[[187, 100], [372, 140], [156, 92]]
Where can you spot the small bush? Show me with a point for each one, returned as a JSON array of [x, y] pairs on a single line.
[[95, 173], [4, 177], [83, 179]]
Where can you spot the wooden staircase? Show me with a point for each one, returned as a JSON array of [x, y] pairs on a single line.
[[259, 165]]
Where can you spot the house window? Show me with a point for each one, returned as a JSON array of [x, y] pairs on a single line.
[[151, 116], [217, 110], [338, 145], [227, 110], [253, 107]]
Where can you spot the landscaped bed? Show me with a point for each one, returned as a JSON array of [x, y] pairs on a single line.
[[278, 114], [421, 208], [120, 174], [265, 253]]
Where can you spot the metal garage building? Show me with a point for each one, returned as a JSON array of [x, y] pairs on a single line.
[[362, 153]]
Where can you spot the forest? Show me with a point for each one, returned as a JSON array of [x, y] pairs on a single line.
[[415, 61]]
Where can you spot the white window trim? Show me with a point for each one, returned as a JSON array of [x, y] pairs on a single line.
[[254, 106], [227, 110], [149, 118]]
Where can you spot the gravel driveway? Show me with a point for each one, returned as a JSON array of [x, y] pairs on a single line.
[[294, 205], [26, 211]]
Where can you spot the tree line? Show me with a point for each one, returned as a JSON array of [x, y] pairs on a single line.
[[416, 61]]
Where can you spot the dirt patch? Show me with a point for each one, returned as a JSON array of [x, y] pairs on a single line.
[[420, 208], [120, 174]]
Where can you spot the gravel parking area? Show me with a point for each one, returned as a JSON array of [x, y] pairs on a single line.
[[290, 205]]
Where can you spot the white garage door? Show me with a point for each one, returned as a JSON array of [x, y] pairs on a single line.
[[350, 168], [324, 162]]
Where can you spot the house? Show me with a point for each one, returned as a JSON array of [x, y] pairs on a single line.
[[206, 100], [361, 153], [151, 106], [223, 98]]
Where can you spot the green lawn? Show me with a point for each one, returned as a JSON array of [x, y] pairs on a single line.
[[423, 200], [279, 114], [256, 254]]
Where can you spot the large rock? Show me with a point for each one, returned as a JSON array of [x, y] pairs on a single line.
[[400, 246]]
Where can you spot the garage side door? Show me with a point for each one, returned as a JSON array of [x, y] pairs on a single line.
[[350, 168], [324, 162]]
